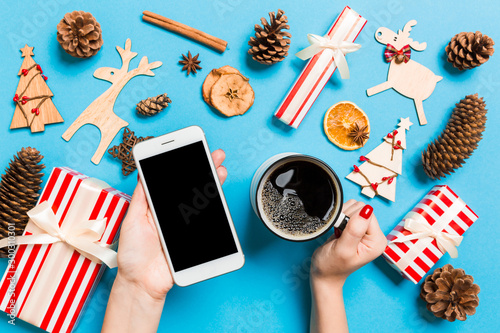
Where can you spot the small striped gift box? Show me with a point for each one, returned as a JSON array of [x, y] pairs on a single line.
[[49, 285], [443, 218], [318, 70]]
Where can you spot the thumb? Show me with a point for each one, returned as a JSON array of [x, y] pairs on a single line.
[[356, 229], [138, 205]]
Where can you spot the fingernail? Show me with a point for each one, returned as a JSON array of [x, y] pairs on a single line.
[[338, 233], [366, 212]]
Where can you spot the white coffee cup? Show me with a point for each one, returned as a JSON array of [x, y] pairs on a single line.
[[337, 220]]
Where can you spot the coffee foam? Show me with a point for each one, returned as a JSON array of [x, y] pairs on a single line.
[[286, 212]]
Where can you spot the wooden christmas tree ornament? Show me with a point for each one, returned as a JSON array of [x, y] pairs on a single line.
[[100, 112], [377, 175], [33, 98], [407, 77]]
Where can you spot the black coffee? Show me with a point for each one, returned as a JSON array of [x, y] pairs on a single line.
[[299, 197]]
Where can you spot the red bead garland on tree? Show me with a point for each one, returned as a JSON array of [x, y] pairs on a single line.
[[389, 179], [25, 99], [391, 135]]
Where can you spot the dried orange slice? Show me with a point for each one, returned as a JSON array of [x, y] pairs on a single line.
[[340, 120]]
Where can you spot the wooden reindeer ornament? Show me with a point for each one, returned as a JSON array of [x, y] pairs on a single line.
[[407, 77], [100, 112]]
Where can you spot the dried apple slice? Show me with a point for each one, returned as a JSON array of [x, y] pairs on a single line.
[[212, 77], [232, 95]]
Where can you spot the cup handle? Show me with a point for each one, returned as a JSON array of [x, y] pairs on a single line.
[[341, 222]]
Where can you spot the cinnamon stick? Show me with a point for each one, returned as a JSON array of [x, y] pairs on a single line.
[[185, 30]]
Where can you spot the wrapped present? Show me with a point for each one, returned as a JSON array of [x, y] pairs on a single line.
[[325, 55], [433, 227], [51, 277]]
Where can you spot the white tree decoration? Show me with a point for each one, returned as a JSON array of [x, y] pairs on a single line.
[[377, 175]]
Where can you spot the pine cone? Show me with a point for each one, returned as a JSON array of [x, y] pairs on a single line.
[[79, 34], [270, 44], [153, 105], [19, 192], [458, 141], [467, 50], [450, 293]]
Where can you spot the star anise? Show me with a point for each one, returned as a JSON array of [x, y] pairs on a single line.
[[190, 63], [359, 134], [232, 94]]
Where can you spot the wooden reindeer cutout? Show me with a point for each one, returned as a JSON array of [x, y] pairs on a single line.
[[100, 112], [407, 77]]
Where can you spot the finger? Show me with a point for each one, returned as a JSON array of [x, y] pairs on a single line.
[[336, 234], [374, 227], [218, 157], [376, 233], [138, 204], [352, 210], [222, 174], [355, 230], [348, 204], [150, 220]]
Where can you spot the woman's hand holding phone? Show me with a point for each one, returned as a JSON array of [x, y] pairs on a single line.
[[143, 279]]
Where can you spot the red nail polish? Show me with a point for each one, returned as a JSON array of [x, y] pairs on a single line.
[[338, 233], [366, 212]]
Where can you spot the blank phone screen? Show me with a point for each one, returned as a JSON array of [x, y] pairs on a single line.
[[188, 206]]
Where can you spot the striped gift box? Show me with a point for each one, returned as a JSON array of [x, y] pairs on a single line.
[[446, 213], [49, 285], [318, 70]]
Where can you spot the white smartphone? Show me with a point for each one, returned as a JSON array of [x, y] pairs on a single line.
[[185, 196]]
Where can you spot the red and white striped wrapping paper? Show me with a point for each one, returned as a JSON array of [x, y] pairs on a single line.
[[318, 70], [445, 212], [53, 282]]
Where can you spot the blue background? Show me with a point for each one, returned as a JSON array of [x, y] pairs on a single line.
[[271, 292]]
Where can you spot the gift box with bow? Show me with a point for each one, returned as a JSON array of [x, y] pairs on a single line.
[[435, 226], [325, 54], [52, 274]]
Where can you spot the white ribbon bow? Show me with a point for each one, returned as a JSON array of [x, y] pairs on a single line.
[[421, 229], [83, 237], [338, 51]]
